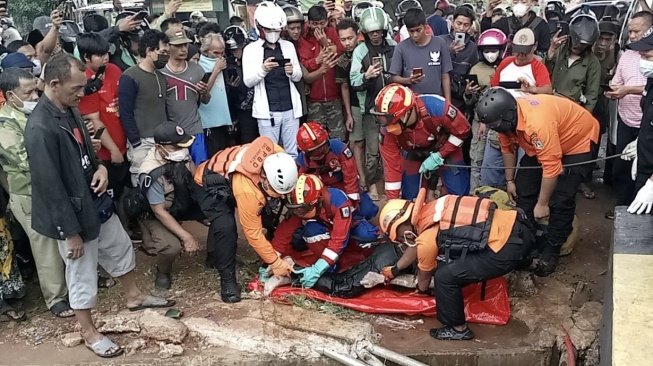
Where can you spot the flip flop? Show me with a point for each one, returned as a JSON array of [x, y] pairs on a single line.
[[102, 347], [6, 316], [153, 302], [60, 307]]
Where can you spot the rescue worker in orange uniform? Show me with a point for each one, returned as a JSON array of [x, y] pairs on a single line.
[[251, 177], [333, 161], [552, 131], [421, 132], [462, 239], [323, 218]]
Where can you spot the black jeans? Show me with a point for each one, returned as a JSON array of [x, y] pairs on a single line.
[[450, 278], [223, 233], [621, 179], [562, 204]]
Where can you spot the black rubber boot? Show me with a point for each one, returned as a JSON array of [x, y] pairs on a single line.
[[449, 333], [163, 281], [229, 288], [548, 260]]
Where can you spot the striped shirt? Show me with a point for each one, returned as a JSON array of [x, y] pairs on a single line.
[[628, 74]]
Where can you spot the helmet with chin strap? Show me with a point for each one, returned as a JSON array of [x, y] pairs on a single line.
[[281, 172], [306, 195], [393, 214], [404, 6], [584, 29], [373, 19], [357, 10], [392, 103], [311, 135], [497, 108], [270, 21]]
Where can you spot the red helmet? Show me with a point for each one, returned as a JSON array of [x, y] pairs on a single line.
[[313, 140], [393, 103], [306, 194]]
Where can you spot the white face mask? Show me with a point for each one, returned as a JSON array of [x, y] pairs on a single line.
[[646, 68], [178, 156], [37, 67], [491, 56], [27, 107], [272, 36], [520, 10]]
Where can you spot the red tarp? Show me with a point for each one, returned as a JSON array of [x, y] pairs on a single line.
[[494, 310]]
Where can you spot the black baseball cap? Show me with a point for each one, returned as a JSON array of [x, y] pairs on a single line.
[[170, 133], [644, 44]]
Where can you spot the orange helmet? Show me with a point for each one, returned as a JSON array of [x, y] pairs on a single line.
[[393, 214], [312, 139], [306, 194], [393, 103]]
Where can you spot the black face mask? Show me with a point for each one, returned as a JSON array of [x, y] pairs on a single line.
[[161, 61]]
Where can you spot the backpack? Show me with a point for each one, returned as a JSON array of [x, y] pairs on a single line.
[[135, 203]]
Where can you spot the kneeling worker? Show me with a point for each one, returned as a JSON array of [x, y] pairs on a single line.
[[324, 217], [250, 177], [478, 241], [552, 131]]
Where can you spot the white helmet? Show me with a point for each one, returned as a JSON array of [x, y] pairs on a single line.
[[281, 172], [270, 21]]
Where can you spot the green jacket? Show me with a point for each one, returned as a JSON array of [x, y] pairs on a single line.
[[13, 156], [581, 81]]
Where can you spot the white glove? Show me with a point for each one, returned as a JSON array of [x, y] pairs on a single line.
[[630, 151], [644, 199], [633, 169]]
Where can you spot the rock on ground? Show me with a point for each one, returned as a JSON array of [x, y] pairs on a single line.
[[135, 345], [118, 324], [73, 339], [158, 327], [170, 350]]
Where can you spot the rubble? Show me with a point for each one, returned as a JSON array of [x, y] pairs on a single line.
[[73, 339], [135, 345], [118, 324], [158, 327], [170, 350]]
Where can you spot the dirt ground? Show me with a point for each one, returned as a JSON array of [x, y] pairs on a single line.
[[36, 340]]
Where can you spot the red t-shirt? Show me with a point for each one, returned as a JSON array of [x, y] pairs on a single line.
[[535, 72], [105, 101]]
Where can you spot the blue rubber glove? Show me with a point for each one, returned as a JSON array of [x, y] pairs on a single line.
[[263, 274], [310, 275], [433, 162]]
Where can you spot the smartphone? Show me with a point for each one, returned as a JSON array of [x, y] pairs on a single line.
[[141, 15], [606, 87], [562, 27], [460, 37], [99, 133], [510, 84], [332, 48], [376, 60], [206, 77], [473, 79], [417, 72], [100, 71]]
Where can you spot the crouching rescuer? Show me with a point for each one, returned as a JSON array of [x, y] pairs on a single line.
[[252, 177], [463, 240]]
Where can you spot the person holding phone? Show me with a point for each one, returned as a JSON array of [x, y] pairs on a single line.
[[492, 46], [324, 99], [464, 53], [185, 91], [422, 62]]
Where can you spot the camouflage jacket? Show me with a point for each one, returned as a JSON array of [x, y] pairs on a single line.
[[13, 156]]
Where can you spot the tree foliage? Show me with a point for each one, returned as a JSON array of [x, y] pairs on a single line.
[[25, 11]]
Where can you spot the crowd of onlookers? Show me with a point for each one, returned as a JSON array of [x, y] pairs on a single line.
[[114, 85]]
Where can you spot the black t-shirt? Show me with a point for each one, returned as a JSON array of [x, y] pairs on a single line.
[[84, 155], [645, 139], [342, 76], [277, 83]]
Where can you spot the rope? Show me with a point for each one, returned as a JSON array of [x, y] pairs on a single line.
[[534, 167]]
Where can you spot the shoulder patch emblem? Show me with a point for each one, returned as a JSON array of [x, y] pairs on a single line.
[[536, 142], [345, 212], [347, 152], [452, 112]]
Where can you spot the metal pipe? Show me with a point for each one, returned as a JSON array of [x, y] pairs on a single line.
[[393, 356], [368, 357], [342, 358]]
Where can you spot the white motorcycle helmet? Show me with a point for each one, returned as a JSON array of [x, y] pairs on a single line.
[[270, 21], [281, 172]]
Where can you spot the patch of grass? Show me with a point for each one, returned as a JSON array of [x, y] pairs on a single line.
[[304, 302]]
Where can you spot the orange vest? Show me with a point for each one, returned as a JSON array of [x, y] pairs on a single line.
[[245, 159], [465, 223]]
